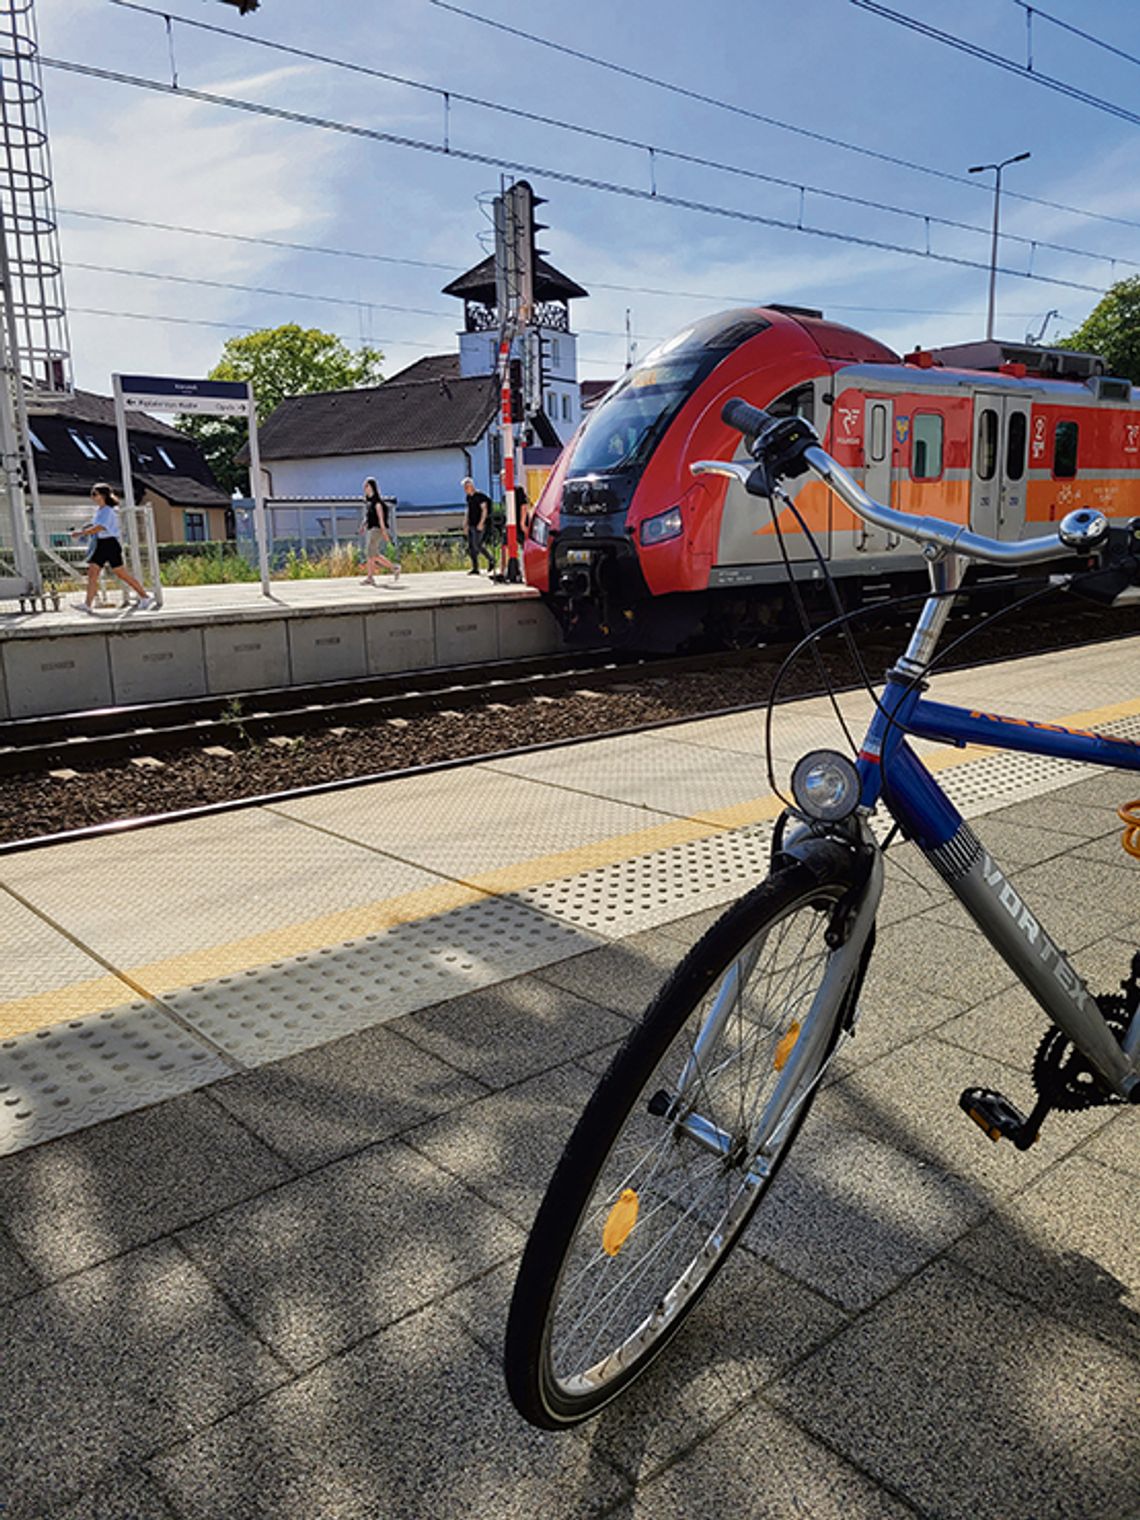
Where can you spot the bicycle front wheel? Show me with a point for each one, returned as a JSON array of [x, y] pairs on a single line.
[[676, 1149]]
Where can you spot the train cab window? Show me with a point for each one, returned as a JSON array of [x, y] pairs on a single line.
[[877, 438], [986, 448], [926, 449], [1065, 450], [799, 402], [1015, 440]]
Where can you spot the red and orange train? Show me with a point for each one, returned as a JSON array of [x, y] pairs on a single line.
[[1006, 438]]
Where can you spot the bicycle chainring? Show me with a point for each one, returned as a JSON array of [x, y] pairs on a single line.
[[1062, 1075]]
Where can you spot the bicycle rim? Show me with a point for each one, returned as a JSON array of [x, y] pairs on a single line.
[[688, 1160]]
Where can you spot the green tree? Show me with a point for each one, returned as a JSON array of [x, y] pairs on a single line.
[[278, 362], [1112, 329]]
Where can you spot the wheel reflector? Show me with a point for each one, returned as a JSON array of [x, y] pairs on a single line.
[[622, 1218], [786, 1046]]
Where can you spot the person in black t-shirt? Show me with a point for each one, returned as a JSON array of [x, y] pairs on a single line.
[[478, 523], [374, 526]]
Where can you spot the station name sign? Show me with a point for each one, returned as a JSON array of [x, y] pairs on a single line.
[[211, 398]]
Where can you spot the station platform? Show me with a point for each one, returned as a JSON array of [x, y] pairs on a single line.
[[280, 1091], [218, 640]]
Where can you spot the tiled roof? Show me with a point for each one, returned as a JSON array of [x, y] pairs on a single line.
[[478, 284], [396, 417], [183, 491], [86, 406], [433, 367]]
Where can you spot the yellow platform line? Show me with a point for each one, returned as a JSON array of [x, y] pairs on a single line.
[[173, 973]]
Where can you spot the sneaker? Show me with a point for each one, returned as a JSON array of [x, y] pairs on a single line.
[[144, 604], [85, 607], [368, 581], [472, 572], [395, 575]]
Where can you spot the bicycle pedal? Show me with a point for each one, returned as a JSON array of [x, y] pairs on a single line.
[[997, 1117]]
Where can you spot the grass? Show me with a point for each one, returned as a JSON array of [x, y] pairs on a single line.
[[224, 564]]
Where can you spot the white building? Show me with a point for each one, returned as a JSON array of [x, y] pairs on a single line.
[[420, 432]]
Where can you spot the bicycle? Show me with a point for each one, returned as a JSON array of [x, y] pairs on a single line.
[[699, 1108]]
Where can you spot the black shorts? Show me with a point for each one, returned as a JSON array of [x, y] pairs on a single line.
[[109, 552]]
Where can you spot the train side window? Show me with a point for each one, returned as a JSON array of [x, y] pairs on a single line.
[[1015, 441], [799, 402], [1065, 450], [877, 443], [926, 450], [985, 451]]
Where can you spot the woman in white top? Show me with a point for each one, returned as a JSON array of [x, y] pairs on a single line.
[[106, 549]]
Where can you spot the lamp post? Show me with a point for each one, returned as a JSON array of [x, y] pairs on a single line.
[[997, 168]]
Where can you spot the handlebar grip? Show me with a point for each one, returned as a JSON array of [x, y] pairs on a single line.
[[744, 418]]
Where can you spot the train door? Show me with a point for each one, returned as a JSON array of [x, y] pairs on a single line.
[[998, 472], [878, 437]]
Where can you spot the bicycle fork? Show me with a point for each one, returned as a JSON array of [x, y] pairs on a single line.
[[816, 1030]]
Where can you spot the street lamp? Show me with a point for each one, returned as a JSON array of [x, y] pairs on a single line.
[[981, 169]]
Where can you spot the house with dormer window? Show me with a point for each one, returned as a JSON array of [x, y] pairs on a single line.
[[75, 445]]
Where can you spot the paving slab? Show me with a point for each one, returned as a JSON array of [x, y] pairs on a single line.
[[1060, 1244], [16, 1275], [851, 1216], [329, 1102], [319, 1264], [112, 1364], [102, 1191], [625, 977], [411, 1423], [512, 1030], [1117, 1145], [761, 1465], [909, 1100], [967, 1401], [751, 1325], [127, 1495], [470, 825]]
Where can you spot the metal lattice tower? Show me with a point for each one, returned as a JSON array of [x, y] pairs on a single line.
[[27, 206]]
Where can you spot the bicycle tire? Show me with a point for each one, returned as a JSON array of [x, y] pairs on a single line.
[[583, 1200]]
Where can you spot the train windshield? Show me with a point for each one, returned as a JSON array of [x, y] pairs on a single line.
[[627, 425]]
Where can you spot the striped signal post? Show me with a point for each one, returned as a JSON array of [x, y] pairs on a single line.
[[508, 456]]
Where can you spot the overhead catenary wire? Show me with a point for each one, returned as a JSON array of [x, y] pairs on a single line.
[[963, 45], [654, 151], [771, 121], [1067, 26], [324, 249], [169, 318], [358, 303], [561, 176]]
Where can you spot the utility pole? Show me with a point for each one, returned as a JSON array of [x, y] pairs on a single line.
[[997, 168], [515, 258]]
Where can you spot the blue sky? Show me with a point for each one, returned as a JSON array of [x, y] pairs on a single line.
[[826, 66]]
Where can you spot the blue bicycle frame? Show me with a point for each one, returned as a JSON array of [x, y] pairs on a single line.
[[890, 769]]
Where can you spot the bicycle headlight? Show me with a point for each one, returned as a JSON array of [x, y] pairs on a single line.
[[826, 786]]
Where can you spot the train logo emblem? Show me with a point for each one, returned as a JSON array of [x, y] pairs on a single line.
[[902, 429], [849, 423]]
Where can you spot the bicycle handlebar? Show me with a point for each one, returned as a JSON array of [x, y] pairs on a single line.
[[780, 447]]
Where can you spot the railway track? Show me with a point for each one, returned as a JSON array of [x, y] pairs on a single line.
[[110, 735], [459, 716]]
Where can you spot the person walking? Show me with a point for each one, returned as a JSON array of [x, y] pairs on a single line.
[[374, 526], [478, 522], [107, 549]]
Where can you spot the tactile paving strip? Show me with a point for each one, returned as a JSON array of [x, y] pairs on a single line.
[[72, 1075], [271, 1012], [652, 889]]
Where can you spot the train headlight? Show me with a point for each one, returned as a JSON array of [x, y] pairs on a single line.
[[666, 525], [540, 532], [826, 786]]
